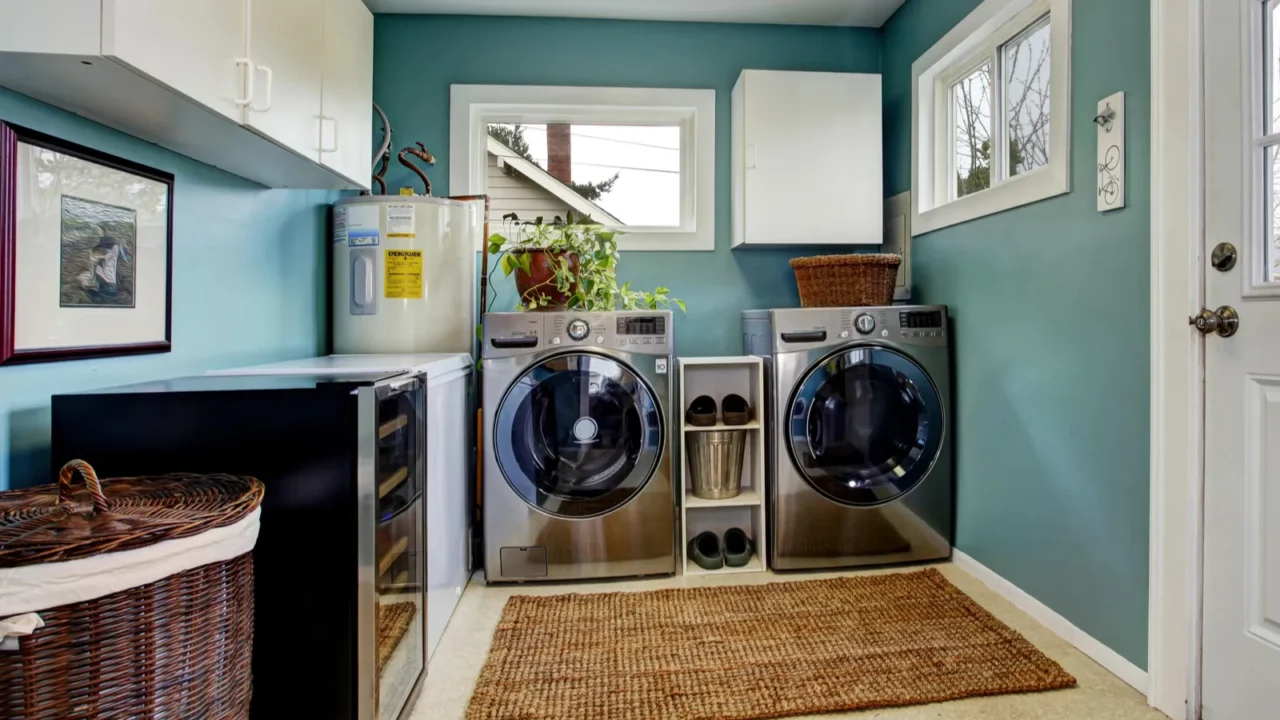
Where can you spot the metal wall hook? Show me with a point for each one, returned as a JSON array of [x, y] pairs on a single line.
[[1106, 118]]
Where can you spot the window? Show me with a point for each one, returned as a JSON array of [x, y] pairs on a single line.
[[625, 175], [970, 145], [638, 160], [1267, 138], [990, 113]]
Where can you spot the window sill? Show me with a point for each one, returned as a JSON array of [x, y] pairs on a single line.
[[1040, 184], [667, 240]]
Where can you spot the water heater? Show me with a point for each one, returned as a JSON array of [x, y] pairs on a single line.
[[404, 274]]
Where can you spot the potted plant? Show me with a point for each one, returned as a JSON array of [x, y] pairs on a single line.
[[569, 264]]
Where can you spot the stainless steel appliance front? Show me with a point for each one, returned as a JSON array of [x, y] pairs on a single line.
[[391, 572], [859, 444], [577, 461]]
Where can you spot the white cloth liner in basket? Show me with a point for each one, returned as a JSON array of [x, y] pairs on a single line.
[[32, 588]]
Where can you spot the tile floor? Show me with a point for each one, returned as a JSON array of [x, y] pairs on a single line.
[[1099, 695]]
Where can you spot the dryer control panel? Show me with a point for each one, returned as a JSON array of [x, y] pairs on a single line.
[[803, 328]]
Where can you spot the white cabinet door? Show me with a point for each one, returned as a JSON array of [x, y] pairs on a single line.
[[286, 45], [346, 129], [810, 158], [190, 46]]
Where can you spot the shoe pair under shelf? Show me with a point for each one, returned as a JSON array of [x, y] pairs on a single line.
[[709, 552], [702, 411]]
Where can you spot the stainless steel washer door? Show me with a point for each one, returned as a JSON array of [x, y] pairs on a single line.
[[578, 435], [864, 425]]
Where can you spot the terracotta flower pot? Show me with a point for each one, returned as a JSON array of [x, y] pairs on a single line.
[[541, 278]]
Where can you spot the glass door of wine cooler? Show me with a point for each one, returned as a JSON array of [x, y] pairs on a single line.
[[398, 652]]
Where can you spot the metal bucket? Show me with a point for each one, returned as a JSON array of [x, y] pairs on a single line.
[[715, 462]]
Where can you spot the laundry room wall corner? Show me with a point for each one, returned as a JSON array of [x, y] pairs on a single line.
[[1050, 305]]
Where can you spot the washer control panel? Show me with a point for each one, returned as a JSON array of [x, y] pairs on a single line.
[[578, 329], [644, 332]]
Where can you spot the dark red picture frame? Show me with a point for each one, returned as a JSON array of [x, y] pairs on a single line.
[[10, 136]]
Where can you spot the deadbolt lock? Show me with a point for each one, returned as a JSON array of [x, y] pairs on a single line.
[[1224, 321], [1223, 257]]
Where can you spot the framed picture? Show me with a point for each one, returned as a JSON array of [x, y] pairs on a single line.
[[86, 248]]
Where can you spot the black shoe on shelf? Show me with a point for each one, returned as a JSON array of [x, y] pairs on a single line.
[[702, 412], [736, 410], [738, 548], [705, 551]]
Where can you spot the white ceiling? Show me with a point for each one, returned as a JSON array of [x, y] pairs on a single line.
[[849, 13]]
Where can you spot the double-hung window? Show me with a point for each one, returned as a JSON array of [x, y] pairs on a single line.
[[991, 113], [638, 160]]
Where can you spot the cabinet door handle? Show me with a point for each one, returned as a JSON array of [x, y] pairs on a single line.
[[270, 78], [248, 81], [333, 149]]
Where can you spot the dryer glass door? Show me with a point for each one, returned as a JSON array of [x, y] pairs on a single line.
[[578, 435], [865, 425]]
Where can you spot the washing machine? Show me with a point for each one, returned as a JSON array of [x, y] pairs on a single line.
[[577, 445], [859, 451]]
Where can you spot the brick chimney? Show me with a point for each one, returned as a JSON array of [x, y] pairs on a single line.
[[559, 153]]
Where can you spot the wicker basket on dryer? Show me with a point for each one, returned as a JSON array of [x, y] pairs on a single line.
[[127, 597], [846, 280]]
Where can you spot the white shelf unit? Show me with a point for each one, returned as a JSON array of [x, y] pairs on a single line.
[[718, 377]]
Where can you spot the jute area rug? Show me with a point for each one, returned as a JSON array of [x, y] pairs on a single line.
[[752, 651]]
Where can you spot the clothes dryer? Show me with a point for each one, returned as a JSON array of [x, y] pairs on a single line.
[[860, 452]]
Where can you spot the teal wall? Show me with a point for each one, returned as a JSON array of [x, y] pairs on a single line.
[[417, 58], [249, 285], [1050, 304]]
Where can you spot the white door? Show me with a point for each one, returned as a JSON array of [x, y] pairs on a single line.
[[1241, 650], [286, 45], [191, 46], [346, 129]]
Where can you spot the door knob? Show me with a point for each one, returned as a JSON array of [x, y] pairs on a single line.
[[1224, 321]]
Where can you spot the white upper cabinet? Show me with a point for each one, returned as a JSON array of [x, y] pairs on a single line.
[[286, 50], [806, 159], [237, 84], [346, 117], [191, 46]]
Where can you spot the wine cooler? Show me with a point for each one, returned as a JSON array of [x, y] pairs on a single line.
[[340, 565]]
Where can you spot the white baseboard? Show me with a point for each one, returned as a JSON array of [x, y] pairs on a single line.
[[1062, 627]]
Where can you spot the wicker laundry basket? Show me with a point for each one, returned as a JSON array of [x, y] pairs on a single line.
[[846, 280], [131, 597]]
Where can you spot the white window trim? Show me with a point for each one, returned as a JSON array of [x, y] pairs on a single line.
[[1258, 180], [473, 107], [980, 34]]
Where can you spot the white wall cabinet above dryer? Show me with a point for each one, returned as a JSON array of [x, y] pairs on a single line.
[[238, 84], [806, 159]]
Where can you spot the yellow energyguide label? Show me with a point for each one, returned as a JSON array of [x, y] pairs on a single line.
[[402, 278]]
